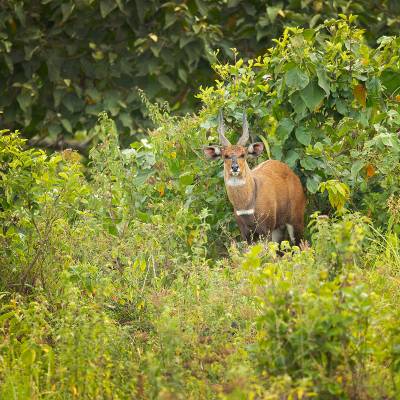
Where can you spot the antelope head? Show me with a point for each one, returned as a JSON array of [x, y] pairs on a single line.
[[234, 155]]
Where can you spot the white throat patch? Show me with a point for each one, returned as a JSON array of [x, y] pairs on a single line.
[[235, 181], [250, 211]]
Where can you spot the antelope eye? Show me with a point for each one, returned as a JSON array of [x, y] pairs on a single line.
[[241, 156], [226, 157]]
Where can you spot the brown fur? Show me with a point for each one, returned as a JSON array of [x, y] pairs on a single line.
[[272, 189]]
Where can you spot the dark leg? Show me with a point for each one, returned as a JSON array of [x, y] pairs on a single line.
[[245, 232]]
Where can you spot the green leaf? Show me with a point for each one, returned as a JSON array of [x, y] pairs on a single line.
[[182, 74], [391, 80], [144, 217], [303, 135], [312, 95], [54, 129], [126, 119], [291, 157], [167, 82], [186, 179], [299, 106], [273, 11], [141, 9], [24, 100], [53, 63], [356, 168], [201, 6], [66, 11], [170, 19], [296, 78], [266, 146], [106, 6], [323, 80], [309, 163], [66, 124], [341, 107], [276, 151], [312, 183], [284, 129]]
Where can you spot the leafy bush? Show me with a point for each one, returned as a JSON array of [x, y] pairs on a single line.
[[323, 102], [57, 72], [121, 278], [39, 196], [314, 329]]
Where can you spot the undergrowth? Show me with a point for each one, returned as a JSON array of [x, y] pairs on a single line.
[[123, 277]]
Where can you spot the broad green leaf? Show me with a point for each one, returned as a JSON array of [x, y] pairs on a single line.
[[66, 124], [338, 192], [66, 10], [24, 100], [356, 168], [309, 163], [170, 19], [202, 7], [276, 151], [126, 119], [391, 80], [186, 179], [167, 82], [107, 6], [291, 157], [312, 95], [341, 107], [273, 11], [284, 129], [296, 78], [312, 183], [53, 67], [303, 135], [323, 80], [299, 106], [182, 74]]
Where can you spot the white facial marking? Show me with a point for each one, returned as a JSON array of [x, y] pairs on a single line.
[[217, 151], [234, 181], [250, 211], [290, 230], [235, 173]]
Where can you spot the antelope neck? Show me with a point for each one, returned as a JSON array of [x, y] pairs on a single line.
[[242, 196]]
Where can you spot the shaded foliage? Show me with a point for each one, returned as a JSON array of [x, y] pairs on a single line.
[[62, 62], [323, 102]]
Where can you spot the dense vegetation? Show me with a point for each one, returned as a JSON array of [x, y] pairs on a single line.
[[62, 62], [123, 277]]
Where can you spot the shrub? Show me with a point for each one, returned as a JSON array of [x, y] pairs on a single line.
[[323, 102], [313, 330]]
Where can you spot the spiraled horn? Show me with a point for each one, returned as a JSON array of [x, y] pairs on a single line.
[[221, 130], [245, 135]]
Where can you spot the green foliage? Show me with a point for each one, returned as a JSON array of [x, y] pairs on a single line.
[[39, 195], [122, 277], [114, 286], [57, 71], [338, 193], [316, 321], [320, 99]]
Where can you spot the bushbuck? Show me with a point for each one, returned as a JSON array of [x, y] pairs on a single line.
[[267, 200]]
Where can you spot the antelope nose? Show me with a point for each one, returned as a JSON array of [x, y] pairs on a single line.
[[235, 168]]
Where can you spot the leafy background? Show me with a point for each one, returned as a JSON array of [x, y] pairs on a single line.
[[122, 271], [62, 62]]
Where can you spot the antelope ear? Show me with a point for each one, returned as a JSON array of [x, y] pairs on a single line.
[[212, 152], [255, 149]]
